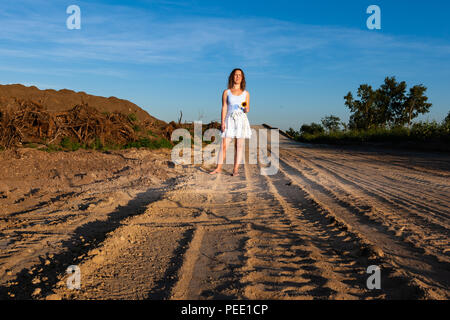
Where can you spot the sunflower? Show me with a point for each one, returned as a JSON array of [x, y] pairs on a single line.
[[244, 105]]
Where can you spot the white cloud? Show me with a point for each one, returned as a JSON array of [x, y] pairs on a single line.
[[129, 35]]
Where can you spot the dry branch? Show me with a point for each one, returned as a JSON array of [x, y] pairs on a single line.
[[83, 123]]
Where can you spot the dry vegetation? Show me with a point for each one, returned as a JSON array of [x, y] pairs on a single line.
[[82, 126], [32, 123]]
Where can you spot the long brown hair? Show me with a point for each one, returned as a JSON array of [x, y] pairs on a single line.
[[231, 79]]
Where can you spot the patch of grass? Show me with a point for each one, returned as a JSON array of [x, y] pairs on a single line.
[[422, 132], [30, 145], [150, 144], [132, 117], [71, 144], [68, 144], [358, 136], [136, 128], [53, 148], [150, 133], [110, 146], [96, 145]]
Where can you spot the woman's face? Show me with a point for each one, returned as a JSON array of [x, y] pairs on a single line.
[[238, 77]]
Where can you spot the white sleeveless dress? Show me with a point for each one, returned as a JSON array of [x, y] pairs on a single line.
[[236, 121]]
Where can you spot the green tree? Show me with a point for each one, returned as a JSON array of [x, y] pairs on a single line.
[[364, 110], [313, 128], [447, 119], [387, 106], [415, 104], [390, 100], [331, 123], [292, 133]]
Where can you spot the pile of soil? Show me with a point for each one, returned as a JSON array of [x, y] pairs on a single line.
[[29, 115], [64, 100]]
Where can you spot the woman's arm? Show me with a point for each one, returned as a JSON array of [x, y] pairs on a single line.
[[247, 108], [224, 110]]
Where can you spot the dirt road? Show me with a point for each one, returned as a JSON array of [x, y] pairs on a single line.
[[308, 232]]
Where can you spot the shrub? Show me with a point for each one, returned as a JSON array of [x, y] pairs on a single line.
[[425, 130], [419, 132], [150, 133], [294, 134], [331, 123], [30, 145], [53, 148], [313, 128], [67, 143], [151, 144], [132, 117], [447, 120], [97, 144]]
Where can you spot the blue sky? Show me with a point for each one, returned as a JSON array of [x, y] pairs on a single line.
[[300, 57]]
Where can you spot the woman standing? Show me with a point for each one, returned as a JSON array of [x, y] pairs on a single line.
[[235, 105]]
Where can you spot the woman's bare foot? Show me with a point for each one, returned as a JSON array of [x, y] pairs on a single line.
[[235, 174], [216, 171]]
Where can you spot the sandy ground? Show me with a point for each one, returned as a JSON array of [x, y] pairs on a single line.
[[140, 228]]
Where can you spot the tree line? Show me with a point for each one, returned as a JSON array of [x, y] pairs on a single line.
[[390, 106]]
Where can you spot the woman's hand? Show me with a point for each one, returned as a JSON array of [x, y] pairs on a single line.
[[247, 107], [223, 126]]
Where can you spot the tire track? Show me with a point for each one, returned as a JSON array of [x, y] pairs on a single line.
[[415, 172], [432, 274], [406, 200], [181, 289], [423, 229], [283, 262], [303, 233], [209, 269], [335, 258]]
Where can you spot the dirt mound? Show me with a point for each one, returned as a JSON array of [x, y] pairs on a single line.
[[64, 100], [30, 115]]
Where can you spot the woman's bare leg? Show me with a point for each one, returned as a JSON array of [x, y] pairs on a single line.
[[238, 155], [222, 154]]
